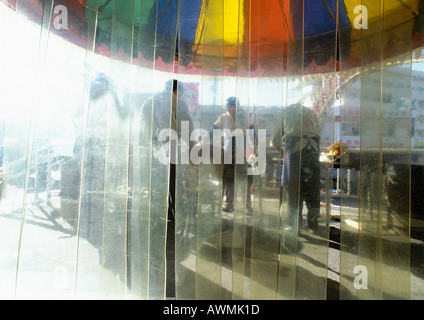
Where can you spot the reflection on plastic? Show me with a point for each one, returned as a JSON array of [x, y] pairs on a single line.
[[119, 182]]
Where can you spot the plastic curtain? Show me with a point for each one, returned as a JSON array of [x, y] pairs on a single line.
[[376, 238], [128, 175]]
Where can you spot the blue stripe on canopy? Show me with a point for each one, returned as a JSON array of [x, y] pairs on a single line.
[[165, 24], [320, 17]]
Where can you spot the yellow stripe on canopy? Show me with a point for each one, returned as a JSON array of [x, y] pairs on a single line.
[[219, 23]]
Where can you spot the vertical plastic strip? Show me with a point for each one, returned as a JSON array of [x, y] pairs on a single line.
[[290, 188], [56, 121], [94, 172], [254, 22], [267, 170], [417, 236], [242, 181], [157, 110], [114, 229], [319, 107], [396, 159], [36, 149], [369, 246], [92, 198], [186, 172], [162, 111], [350, 95], [210, 198], [230, 236], [17, 130], [136, 269], [349, 198], [87, 272], [142, 155]]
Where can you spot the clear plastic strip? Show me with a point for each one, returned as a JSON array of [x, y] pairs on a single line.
[[417, 236], [17, 129], [396, 130], [370, 210], [141, 159], [114, 227], [186, 171], [320, 107], [76, 197], [209, 214], [242, 182], [350, 88], [290, 190], [267, 176], [30, 195], [162, 109]]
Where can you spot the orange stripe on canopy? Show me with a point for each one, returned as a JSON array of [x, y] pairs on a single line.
[[267, 31]]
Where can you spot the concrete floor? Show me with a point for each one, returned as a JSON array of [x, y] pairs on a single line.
[[54, 264]]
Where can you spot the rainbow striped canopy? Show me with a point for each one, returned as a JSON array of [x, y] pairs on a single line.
[[210, 34]]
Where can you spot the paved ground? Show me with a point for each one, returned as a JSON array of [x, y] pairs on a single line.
[[51, 257]]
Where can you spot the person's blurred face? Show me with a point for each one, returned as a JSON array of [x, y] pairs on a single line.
[[231, 109]]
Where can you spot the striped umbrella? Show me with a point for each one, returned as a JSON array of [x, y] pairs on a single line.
[[239, 33]]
